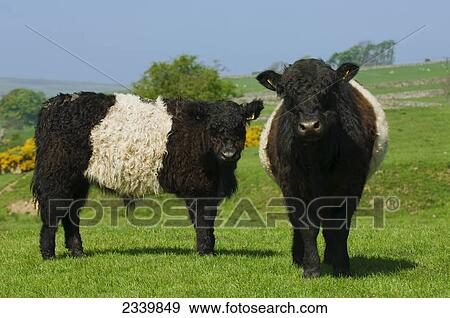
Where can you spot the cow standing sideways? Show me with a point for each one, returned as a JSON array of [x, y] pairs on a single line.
[[135, 147], [321, 144]]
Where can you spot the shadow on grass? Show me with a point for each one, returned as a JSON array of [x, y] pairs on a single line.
[[363, 266], [182, 251]]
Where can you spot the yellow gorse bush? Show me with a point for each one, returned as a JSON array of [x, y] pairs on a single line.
[[252, 136], [18, 159]]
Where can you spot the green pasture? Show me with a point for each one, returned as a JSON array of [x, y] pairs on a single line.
[[408, 257]]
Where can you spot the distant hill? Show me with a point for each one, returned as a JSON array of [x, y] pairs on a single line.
[[53, 87]]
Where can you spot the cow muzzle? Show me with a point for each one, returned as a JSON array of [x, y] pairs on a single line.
[[229, 154], [310, 128]]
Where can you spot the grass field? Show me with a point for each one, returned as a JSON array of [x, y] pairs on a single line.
[[409, 257]]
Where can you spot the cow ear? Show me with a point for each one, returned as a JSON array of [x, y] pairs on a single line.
[[347, 71], [269, 79], [253, 109]]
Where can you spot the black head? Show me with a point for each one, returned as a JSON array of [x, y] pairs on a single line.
[[310, 90], [225, 125]]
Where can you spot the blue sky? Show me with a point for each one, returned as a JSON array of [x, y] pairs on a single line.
[[122, 38]]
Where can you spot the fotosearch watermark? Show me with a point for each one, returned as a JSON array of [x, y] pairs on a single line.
[[324, 212]]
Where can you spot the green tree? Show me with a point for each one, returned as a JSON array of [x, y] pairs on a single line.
[[20, 107], [366, 53], [184, 77]]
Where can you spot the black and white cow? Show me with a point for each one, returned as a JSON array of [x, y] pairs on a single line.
[[321, 144], [135, 147]]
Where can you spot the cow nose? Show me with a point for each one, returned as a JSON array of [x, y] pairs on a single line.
[[309, 127], [228, 153]]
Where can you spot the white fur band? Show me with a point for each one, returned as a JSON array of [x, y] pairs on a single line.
[[381, 141], [264, 140], [129, 145]]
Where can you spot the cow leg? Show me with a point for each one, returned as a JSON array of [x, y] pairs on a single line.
[[305, 234], [71, 222], [53, 208], [47, 241], [203, 214], [298, 247], [336, 252], [341, 262], [329, 248], [311, 259]]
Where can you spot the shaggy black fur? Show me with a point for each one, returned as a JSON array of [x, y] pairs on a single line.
[[63, 129], [194, 167], [203, 147], [332, 161]]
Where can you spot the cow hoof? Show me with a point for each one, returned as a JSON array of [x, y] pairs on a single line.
[[206, 253], [48, 256], [77, 253], [311, 273], [297, 262], [341, 273]]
